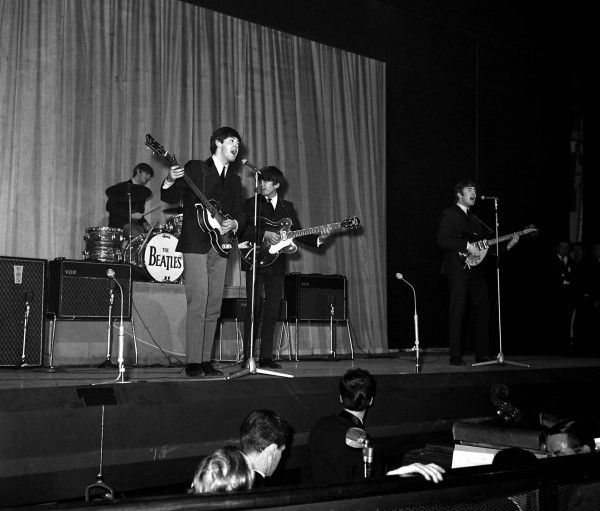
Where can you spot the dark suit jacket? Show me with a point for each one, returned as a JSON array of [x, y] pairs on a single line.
[[284, 209], [205, 176], [330, 459], [453, 230]]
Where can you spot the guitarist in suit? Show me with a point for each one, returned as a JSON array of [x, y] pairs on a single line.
[[469, 300], [273, 208], [205, 267]]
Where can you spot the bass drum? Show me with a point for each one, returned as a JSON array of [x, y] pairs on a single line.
[[156, 257], [103, 244]]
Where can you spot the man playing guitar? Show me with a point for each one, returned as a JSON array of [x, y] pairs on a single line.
[[209, 189]]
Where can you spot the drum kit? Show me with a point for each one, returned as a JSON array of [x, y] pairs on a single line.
[[152, 253]]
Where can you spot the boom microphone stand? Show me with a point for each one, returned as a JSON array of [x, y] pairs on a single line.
[[251, 363], [500, 358], [415, 348]]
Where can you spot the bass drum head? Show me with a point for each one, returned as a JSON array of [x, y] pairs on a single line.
[[161, 261]]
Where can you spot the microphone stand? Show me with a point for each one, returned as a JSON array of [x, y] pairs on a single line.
[[332, 340], [28, 295], [121, 359], [108, 362], [251, 363], [416, 320], [500, 358]]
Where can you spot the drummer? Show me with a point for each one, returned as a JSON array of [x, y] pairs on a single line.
[[118, 210]]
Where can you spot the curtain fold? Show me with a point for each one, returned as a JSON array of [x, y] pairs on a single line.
[[83, 81]]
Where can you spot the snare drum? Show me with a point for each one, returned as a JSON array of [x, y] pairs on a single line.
[[173, 225], [157, 257], [103, 244]]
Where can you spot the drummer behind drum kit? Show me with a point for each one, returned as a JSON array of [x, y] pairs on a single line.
[[152, 254]]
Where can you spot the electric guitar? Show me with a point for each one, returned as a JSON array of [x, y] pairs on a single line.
[[267, 253], [209, 215], [483, 245]]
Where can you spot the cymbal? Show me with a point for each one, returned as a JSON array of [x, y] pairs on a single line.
[[173, 211], [122, 191]]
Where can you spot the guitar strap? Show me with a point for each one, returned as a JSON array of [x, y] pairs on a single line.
[[481, 222]]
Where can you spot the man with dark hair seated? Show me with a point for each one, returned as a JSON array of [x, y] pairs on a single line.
[[331, 459], [263, 435]]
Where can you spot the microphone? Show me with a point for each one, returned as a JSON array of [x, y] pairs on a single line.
[[367, 453], [249, 165], [110, 273], [487, 197]]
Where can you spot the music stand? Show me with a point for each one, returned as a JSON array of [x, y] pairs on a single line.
[[251, 363], [500, 358]]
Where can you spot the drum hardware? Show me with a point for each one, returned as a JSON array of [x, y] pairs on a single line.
[[173, 225], [103, 244], [128, 192]]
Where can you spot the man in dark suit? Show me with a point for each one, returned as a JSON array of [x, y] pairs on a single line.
[[331, 459], [468, 287], [271, 208], [263, 437], [205, 266]]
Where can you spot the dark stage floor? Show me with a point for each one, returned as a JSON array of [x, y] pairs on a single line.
[[402, 363], [155, 428]]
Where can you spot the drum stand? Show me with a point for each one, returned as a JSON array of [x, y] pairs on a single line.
[[251, 363]]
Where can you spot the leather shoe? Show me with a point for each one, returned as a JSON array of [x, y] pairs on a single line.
[[478, 360], [194, 370], [457, 361], [209, 370], [268, 363]]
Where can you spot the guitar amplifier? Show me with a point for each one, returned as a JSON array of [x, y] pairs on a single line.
[[22, 308], [312, 297], [81, 289]]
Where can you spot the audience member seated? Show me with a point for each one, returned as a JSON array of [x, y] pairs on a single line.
[[263, 436], [227, 469], [331, 459], [569, 437]]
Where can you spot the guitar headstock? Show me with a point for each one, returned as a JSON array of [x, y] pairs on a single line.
[[350, 223], [160, 150], [531, 229]]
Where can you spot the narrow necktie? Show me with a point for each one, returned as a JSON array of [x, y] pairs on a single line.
[[223, 175]]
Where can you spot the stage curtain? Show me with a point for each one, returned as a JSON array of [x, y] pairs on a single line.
[[83, 81]]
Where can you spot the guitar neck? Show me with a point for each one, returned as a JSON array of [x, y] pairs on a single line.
[[205, 202], [505, 237], [314, 230]]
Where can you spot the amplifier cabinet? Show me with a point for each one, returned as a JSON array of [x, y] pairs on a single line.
[[312, 297], [22, 304], [81, 289]]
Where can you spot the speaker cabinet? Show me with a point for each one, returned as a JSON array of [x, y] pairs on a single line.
[[233, 308], [81, 289], [312, 297], [22, 308]]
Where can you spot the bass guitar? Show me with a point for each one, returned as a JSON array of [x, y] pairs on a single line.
[[266, 253], [208, 212], [483, 245]]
